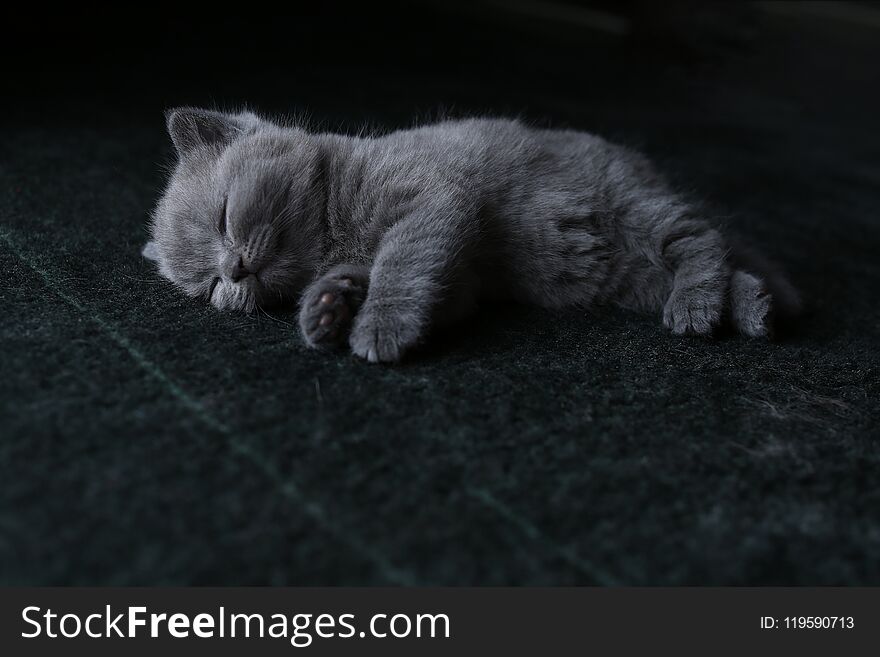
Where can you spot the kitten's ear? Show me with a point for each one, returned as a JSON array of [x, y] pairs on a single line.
[[190, 127], [151, 251]]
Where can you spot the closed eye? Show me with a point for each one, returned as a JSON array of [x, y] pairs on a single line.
[[221, 224], [212, 288]]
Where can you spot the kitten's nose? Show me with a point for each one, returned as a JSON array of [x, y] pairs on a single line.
[[239, 271]]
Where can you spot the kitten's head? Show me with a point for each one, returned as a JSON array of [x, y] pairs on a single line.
[[240, 223]]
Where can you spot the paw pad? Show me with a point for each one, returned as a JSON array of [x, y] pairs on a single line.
[[327, 308]]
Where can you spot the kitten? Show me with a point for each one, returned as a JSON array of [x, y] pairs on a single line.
[[383, 238]]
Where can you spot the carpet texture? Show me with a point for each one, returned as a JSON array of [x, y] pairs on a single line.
[[148, 439]]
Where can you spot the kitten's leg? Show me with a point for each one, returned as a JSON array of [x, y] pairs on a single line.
[[416, 276], [329, 304], [697, 254]]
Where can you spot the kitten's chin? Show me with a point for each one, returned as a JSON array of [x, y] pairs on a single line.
[[266, 289], [243, 296]]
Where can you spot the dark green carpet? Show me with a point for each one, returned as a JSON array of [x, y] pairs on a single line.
[[147, 439]]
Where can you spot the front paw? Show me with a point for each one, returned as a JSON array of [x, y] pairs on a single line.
[[692, 311], [751, 305], [381, 335], [328, 307]]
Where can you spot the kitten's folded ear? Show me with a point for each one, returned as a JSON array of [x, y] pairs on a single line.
[[151, 251], [191, 127]]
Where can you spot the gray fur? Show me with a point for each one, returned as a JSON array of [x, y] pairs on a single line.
[[383, 238]]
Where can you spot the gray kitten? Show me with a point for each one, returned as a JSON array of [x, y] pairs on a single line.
[[383, 238]]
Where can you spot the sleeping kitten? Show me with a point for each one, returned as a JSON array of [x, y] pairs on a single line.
[[383, 238]]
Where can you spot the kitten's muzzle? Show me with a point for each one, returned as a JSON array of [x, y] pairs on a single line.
[[239, 271]]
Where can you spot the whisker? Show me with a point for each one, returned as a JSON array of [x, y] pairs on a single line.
[[274, 319]]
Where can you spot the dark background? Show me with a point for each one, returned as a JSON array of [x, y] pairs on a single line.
[[147, 439]]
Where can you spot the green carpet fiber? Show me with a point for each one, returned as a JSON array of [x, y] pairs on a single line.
[[147, 439]]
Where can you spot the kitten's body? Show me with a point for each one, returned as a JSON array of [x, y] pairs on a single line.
[[400, 233]]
